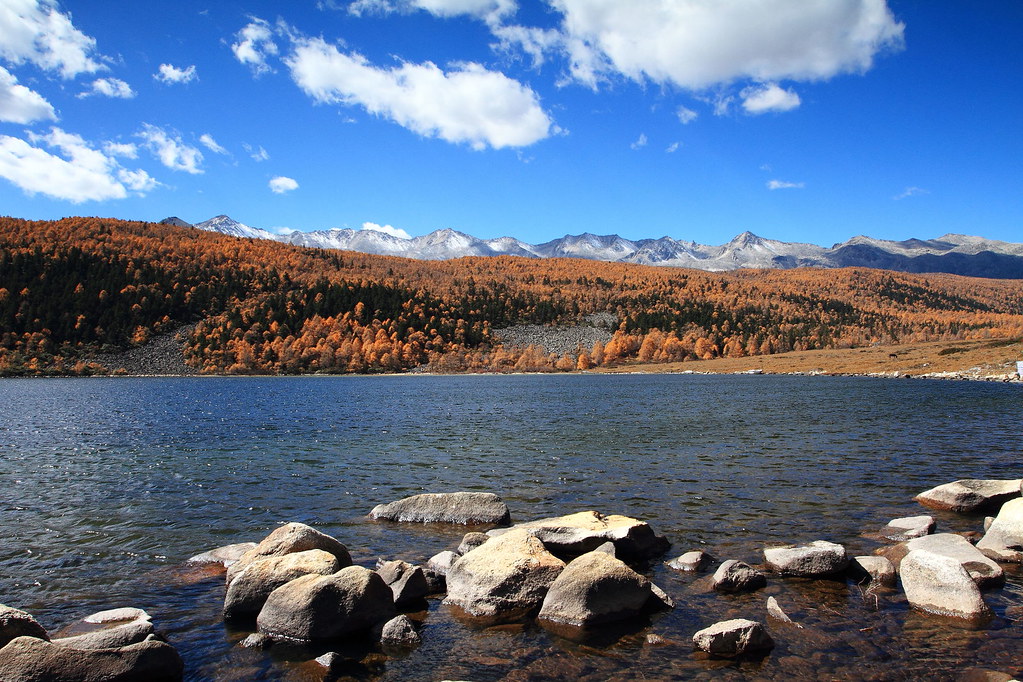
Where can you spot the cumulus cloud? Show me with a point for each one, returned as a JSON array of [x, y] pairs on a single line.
[[36, 31], [467, 104], [768, 97], [76, 173], [170, 74], [109, 87], [387, 229], [640, 142], [909, 192], [19, 104], [207, 141], [254, 44], [781, 184], [170, 150], [686, 116], [280, 184]]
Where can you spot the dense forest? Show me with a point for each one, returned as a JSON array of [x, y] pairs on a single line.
[[72, 288]]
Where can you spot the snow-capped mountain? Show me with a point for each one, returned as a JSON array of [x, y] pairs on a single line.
[[951, 253]]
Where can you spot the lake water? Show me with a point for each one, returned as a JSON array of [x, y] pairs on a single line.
[[110, 484]]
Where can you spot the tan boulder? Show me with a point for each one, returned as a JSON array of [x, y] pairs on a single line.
[[575, 534], [595, 588], [1004, 538], [31, 659], [248, 591], [970, 494], [939, 584], [287, 539]]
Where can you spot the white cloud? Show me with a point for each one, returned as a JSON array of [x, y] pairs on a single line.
[[170, 149], [535, 42], [207, 141], [489, 10], [36, 31], [258, 154], [110, 87], [280, 184], [673, 147], [781, 184], [768, 97], [640, 142], [686, 116], [467, 104], [254, 45], [79, 173], [909, 192], [19, 104], [125, 149], [387, 229], [171, 74]]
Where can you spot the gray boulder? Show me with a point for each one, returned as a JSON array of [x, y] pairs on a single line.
[[877, 569], [471, 541], [503, 579], [407, 582], [29, 659], [939, 584], [322, 607], [814, 560], [399, 632], [442, 561], [733, 638], [774, 610], [982, 569], [16, 623], [738, 576], [225, 556], [109, 629], [1004, 538], [691, 561], [250, 588], [462, 508], [288, 539], [575, 534], [970, 495], [908, 527], [595, 588]]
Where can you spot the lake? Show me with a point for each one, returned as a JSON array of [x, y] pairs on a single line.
[[111, 484]]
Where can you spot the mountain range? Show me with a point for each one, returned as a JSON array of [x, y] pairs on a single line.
[[952, 253]]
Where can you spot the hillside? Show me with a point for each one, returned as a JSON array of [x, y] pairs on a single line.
[[78, 287]]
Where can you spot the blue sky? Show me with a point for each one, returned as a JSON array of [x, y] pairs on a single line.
[[808, 120]]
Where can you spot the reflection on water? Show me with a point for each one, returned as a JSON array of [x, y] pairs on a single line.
[[109, 484]]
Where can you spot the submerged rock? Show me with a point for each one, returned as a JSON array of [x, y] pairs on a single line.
[[30, 658], [17, 623], [225, 556], [817, 559], [462, 508], [250, 588], [505, 578], [970, 495], [1004, 539], [595, 588], [109, 629], [576, 534], [738, 576], [733, 638], [775, 611], [939, 584], [288, 539], [908, 527]]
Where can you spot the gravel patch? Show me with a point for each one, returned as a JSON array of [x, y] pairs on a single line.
[[162, 356], [561, 340]]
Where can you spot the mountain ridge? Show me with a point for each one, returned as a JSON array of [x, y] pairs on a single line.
[[950, 253]]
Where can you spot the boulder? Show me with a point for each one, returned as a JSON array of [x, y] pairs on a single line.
[[30, 659], [250, 588], [775, 611], [982, 569], [939, 584], [109, 629], [322, 607], [738, 576], [733, 638], [576, 534], [691, 561], [16, 623], [407, 582], [442, 561], [503, 579], [399, 632], [462, 508], [288, 539], [1004, 538], [877, 569], [226, 555], [970, 495], [595, 588], [908, 527], [814, 560], [471, 541], [607, 548]]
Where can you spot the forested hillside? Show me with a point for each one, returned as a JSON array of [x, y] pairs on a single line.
[[74, 287]]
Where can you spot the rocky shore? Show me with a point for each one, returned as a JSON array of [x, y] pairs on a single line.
[[572, 575]]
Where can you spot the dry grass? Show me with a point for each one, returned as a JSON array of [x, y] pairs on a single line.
[[988, 358]]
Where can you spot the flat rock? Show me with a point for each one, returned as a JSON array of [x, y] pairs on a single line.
[[595, 588], [288, 539], [877, 569], [503, 579], [399, 632], [407, 582], [1004, 538], [323, 607], [691, 561], [110, 629], [970, 494], [817, 559], [939, 584], [248, 591], [908, 527], [462, 508], [17, 623], [733, 638], [982, 569], [576, 534], [738, 576], [226, 555], [32, 659]]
